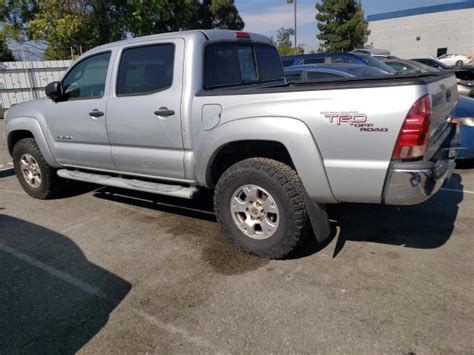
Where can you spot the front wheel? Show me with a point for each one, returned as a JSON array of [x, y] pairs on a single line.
[[259, 204], [459, 63], [37, 178]]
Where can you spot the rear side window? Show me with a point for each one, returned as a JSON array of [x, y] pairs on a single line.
[[144, 70], [232, 64], [287, 62]]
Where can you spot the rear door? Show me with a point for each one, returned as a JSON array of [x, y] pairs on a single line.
[[144, 111]]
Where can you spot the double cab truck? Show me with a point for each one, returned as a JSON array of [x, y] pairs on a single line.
[[176, 113]]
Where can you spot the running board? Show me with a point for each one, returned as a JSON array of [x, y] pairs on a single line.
[[131, 184]]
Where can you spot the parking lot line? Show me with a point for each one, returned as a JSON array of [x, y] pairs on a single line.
[[64, 276], [454, 190], [94, 291]]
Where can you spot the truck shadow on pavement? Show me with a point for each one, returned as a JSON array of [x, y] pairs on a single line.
[[424, 226], [52, 299]]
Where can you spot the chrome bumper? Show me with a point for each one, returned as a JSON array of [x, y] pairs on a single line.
[[410, 183]]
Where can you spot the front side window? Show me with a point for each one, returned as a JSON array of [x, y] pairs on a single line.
[[145, 70], [87, 79]]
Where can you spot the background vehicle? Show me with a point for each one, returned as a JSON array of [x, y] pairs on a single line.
[[178, 112], [465, 108], [432, 63], [457, 60], [335, 58], [464, 75], [465, 79], [331, 72], [403, 66]]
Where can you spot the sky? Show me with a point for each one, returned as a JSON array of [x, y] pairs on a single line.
[[267, 16]]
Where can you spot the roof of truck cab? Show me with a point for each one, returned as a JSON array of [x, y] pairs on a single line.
[[211, 35]]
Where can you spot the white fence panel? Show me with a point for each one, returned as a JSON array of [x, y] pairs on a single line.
[[24, 81]]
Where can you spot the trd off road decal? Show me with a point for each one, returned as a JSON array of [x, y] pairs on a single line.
[[354, 119]]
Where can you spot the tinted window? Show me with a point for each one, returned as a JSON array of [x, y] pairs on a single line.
[[287, 63], [230, 64], [144, 70], [313, 61], [314, 75], [87, 78], [248, 70], [269, 67], [220, 66]]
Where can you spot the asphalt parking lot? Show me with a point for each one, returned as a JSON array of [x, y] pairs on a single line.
[[105, 271]]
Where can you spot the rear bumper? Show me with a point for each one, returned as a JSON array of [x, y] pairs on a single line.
[[410, 183]]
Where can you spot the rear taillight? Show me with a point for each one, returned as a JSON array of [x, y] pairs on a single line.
[[411, 143]]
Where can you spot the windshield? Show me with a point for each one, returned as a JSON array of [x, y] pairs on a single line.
[[369, 60]]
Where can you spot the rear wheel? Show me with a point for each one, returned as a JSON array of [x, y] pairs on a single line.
[[259, 204], [37, 178]]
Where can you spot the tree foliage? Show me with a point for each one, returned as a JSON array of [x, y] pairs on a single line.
[[284, 43], [74, 25], [341, 24]]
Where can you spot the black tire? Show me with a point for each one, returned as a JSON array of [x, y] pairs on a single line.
[[284, 185], [51, 184], [459, 63]]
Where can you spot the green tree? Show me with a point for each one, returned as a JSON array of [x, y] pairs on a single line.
[[284, 44], [221, 14], [66, 25], [5, 52], [83, 24], [145, 17], [341, 24]]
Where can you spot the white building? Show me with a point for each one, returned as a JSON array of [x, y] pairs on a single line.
[[425, 31]]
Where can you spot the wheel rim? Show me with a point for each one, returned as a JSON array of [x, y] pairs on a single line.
[[30, 170], [254, 211]]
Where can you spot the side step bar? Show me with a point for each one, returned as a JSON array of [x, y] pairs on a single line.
[[131, 184]]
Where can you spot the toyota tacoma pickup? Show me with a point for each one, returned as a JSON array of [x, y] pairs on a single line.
[[178, 112]]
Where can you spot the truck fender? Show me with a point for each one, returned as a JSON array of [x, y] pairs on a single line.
[[292, 133], [31, 125]]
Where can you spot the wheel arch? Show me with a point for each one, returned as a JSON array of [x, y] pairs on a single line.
[[27, 127], [292, 143]]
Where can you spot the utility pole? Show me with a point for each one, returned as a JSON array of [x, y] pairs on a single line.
[[294, 14]]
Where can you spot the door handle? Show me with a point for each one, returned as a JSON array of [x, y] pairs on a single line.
[[163, 111], [96, 113]]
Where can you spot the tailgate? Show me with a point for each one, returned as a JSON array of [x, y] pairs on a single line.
[[444, 97]]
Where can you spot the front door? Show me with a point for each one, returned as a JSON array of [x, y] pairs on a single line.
[[144, 112], [78, 123]]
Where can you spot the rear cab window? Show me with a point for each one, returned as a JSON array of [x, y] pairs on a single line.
[[231, 64]]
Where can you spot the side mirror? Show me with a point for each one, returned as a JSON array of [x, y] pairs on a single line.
[[54, 91]]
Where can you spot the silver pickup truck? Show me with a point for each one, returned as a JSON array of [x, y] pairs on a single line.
[[178, 112]]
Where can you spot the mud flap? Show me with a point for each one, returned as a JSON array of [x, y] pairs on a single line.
[[318, 217]]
